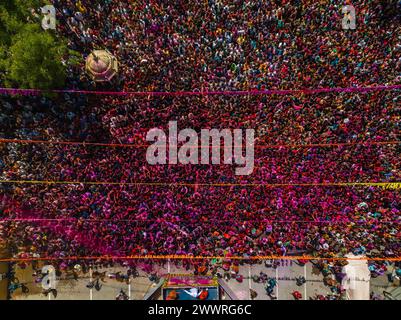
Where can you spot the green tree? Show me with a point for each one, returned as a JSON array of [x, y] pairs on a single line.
[[36, 60], [14, 15], [31, 57]]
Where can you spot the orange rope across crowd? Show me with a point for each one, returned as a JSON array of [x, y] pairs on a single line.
[[266, 146], [189, 257], [384, 185], [361, 222]]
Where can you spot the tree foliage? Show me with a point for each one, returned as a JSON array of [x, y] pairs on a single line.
[[14, 15], [36, 61], [30, 57]]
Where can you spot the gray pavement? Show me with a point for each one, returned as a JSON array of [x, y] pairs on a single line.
[[285, 273]]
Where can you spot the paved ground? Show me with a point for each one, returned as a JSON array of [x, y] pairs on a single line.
[[286, 272], [76, 289], [380, 284]]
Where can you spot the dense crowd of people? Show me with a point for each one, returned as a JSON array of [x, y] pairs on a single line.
[[208, 46]]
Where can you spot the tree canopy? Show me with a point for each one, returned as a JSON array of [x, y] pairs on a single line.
[[30, 57]]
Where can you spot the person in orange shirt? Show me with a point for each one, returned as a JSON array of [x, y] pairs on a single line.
[[173, 295], [204, 295]]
